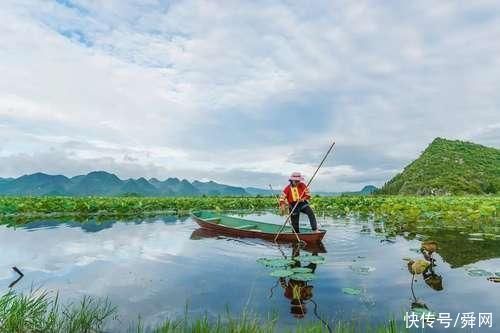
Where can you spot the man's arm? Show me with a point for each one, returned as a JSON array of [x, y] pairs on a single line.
[[306, 194], [283, 201]]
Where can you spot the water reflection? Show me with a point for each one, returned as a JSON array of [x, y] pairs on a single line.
[[298, 292], [152, 267], [426, 268], [20, 276]]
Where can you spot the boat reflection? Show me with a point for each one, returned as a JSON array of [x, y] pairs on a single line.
[[201, 233], [299, 292]]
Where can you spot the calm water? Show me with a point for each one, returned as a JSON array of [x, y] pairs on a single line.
[[157, 267]]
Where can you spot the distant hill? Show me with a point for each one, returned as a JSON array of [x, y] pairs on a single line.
[[449, 167], [107, 184], [101, 183], [367, 190]]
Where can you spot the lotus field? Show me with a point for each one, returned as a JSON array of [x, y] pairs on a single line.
[[436, 209]]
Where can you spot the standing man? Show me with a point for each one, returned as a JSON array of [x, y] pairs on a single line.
[[298, 193]]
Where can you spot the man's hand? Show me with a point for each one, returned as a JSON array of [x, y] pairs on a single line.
[[283, 209]]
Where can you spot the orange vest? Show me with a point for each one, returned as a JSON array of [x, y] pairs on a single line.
[[292, 194]]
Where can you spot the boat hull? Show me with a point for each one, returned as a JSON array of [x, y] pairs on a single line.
[[285, 237]]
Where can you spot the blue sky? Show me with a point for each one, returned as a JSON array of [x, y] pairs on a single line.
[[243, 92]]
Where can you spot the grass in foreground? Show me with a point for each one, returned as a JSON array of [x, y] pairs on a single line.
[[41, 312]]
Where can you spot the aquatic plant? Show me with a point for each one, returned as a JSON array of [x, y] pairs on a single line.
[[275, 262], [281, 273], [352, 291], [303, 277], [40, 311], [431, 210], [418, 266]]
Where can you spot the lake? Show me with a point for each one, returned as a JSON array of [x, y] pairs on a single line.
[[161, 267]]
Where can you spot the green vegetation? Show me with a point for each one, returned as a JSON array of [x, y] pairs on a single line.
[[448, 209], [410, 209], [41, 312], [449, 167]]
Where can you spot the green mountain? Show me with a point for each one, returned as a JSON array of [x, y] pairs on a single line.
[[213, 188], [101, 183], [367, 190], [107, 184], [449, 167]]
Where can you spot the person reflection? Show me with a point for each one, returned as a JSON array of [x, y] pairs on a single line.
[[298, 292]]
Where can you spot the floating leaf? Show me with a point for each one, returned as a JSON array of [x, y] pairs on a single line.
[[317, 260], [414, 249], [281, 273], [477, 272], [477, 234], [352, 291], [275, 262], [302, 276], [363, 270], [263, 261], [310, 258], [423, 312], [301, 270], [407, 259]]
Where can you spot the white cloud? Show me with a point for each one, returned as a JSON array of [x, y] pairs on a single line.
[[216, 88]]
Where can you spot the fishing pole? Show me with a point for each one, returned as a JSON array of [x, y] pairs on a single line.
[[307, 186]]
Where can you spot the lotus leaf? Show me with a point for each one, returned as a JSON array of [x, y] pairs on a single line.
[[423, 312], [302, 276], [363, 270], [281, 273], [316, 260], [419, 266], [311, 259], [263, 261], [275, 262], [476, 272], [301, 270], [352, 291]]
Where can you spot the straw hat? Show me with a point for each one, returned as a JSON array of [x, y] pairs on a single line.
[[296, 176]]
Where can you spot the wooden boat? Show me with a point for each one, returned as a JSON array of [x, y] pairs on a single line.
[[238, 227]]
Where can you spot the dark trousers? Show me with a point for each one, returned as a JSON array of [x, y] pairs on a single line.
[[302, 207]]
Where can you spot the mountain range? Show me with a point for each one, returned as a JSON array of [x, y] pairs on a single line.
[[107, 184], [102, 183]]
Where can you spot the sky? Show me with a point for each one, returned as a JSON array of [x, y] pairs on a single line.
[[243, 92]]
